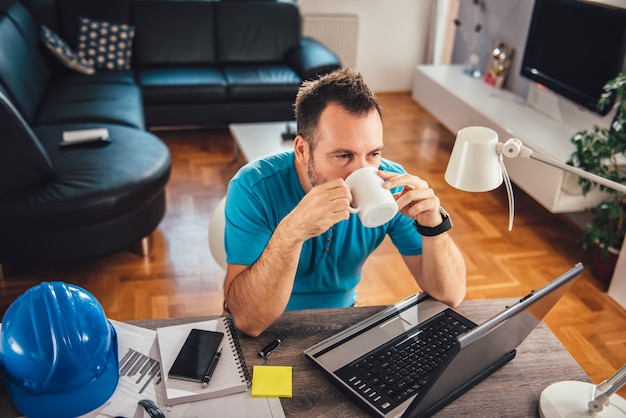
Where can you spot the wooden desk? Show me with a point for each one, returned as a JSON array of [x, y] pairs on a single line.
[[511, 391]]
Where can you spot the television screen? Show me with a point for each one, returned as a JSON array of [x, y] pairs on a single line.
[[574, 47]]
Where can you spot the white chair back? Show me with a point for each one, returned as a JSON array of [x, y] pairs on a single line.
[[217, 223]]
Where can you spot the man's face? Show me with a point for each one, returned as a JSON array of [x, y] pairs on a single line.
[[345, 143]]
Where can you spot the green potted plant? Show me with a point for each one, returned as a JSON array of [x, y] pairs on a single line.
[[601, 151]]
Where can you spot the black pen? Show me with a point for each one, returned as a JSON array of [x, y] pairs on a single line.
[[211, 369], [268, 349]]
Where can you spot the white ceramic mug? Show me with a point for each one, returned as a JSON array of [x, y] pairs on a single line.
[[374, 204]]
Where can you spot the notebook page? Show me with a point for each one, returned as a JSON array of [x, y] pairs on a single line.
[[227, 378]]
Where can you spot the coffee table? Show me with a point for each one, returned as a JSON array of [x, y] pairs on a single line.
[[256, 140]]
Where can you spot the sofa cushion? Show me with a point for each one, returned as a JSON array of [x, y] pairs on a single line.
[[70, 11], [92, 102], [272, 29], [100, 200], [27, 25], [181, 85], [23, 161], [105, 45], [23, 72], [60, 50], [312, 59], [174, 32], [90, 185], [261, 82], [44, 12]]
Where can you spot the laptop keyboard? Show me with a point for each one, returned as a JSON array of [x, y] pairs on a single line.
[[398, 370]]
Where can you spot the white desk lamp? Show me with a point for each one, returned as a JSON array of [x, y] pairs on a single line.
[[477, 165]]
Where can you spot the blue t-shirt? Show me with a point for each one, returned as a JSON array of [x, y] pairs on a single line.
[[264, 191]]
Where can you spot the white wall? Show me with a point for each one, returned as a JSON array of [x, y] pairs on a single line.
[[503, 20], [393, 37]]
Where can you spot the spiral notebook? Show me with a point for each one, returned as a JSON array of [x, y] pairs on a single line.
[[230, 376]]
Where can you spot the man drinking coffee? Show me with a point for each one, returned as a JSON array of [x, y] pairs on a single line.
[[291, 239]]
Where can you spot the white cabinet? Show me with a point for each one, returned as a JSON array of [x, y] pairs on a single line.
[[458, 100]]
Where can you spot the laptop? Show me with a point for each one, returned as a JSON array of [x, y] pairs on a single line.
[[417, 356]]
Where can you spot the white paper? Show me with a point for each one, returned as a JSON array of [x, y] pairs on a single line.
[[238, 405], [140, 375]]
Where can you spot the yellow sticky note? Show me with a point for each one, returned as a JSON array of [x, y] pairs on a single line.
[[271, 381]]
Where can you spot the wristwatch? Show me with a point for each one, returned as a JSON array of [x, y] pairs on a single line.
[[444, 226]]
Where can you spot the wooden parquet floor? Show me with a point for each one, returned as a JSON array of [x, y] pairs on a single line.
[[180, 278]]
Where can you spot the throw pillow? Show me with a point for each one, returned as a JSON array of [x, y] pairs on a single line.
[[105, 45], [59, 48]]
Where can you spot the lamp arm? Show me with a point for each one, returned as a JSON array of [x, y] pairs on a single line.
[[613, 383], [514, 148], [607, 388], [581, 173]]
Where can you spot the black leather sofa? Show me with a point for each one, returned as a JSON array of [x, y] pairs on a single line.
[[219, 62], [203, 62], [194, 62]]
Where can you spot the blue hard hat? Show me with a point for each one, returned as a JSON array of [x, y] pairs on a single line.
[[58, 352]]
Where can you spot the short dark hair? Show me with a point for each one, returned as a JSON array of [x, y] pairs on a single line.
[[344, 87]]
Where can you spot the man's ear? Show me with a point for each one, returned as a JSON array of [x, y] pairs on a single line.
[[301, 149]]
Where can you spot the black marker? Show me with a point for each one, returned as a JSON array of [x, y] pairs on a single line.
[[268, 349], [211, 369]]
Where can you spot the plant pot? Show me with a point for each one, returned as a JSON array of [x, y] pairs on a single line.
[[602, 269]]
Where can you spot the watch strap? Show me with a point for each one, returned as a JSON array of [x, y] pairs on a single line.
[[445, 225]]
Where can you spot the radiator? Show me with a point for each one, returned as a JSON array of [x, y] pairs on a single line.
[[337, 32]]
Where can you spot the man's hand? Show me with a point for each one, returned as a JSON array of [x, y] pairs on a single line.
[[322, 207], [416, 200]]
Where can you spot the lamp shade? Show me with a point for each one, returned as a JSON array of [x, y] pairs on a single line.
[[474, 164]]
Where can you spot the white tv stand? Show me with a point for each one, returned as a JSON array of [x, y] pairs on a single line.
[[458, 100]]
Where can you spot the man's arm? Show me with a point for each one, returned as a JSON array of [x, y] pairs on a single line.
[[257, 295], [440, 269]]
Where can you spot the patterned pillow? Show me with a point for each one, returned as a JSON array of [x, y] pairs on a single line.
[[105, 45], [63, 53]]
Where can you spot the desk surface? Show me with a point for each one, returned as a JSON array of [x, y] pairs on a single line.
[[513, 390]]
